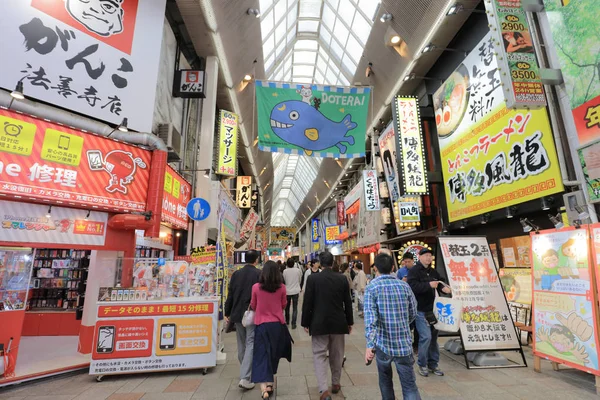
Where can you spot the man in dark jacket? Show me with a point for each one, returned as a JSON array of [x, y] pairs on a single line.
[[424, 280], [327, 317], [238, 301]]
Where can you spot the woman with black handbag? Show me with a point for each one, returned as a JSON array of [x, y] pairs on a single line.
[[272, 340]]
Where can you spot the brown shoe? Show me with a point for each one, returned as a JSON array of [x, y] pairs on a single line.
[[325, 396], [336, 388]]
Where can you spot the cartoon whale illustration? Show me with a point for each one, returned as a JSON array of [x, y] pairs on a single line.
[[302, 125]]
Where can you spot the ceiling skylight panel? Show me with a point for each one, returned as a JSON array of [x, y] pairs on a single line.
[[304, 70], [308, 26], [346, 11], [305, 57], [369, 7], [336, 49], [280, 10], [340, 32], [361, 28], [310, 8], [328, 18], [264, 5], [334, 3], [280, 32], [348, 64], [354, 49], [267, 24], [331, 76], [319, 78]]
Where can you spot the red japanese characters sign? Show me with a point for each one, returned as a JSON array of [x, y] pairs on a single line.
[[140, 310], [175, 198], [341, 213], [43, 160]]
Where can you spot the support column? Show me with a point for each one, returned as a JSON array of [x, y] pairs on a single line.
[[205, 152]]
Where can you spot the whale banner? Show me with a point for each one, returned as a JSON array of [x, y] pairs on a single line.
[[312, 120]]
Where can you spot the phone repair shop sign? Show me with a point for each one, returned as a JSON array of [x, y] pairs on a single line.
[[134, 337], [40, 160], [98, 58], [176, 195], [189, 84]]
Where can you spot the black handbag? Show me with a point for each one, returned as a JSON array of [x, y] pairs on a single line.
[[430, 317]]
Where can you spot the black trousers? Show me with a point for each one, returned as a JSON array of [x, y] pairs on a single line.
[[291, 299], [413, 327]]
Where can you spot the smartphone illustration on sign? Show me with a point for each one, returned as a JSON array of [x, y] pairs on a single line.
[[106, 339], [64, 142], [167, 336], [95, 160]]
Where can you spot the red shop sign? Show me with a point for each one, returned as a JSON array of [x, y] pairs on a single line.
[[176, 196], [44, 160], [341, 213]]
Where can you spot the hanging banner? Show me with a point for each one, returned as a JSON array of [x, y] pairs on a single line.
[[96, 58], [314, 120], [249, 225], [573, 26], [409, 213], [407, 122], [243, 190], [516, 54], [314, 230], [486, 321], [371, 190], [387, 149], [283, 234], [589, 157], [331, 234], [230, 215], [228, 139], [366, 224], [176, 196], [189, 84], [50, 162], [255, 200], [492, 157], [341, 213], [565, 325]]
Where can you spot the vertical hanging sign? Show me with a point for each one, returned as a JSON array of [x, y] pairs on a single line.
[[516, 55], [371, 190], [407, 121], [227, 161], [315, 230], [341, 213], [244, 189]]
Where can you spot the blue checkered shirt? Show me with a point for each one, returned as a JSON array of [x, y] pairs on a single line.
[[390, 307]]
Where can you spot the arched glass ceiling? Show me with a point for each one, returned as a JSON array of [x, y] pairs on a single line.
[[310, 41]]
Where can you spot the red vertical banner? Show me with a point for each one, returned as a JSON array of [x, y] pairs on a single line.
[[341, 213]]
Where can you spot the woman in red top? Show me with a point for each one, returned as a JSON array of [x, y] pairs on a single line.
[[272, 340]]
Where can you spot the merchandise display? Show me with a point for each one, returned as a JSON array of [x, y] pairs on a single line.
[[15, 268]]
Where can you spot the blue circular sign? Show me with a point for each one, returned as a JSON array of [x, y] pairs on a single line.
[[198, 209]]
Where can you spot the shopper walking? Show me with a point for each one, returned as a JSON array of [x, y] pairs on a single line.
[[360, 283], [327, 317], [345, 269], [424, 281], [390, 307], [313, 268], [238, 300], [408, 262], [272, 340], [292, 278]]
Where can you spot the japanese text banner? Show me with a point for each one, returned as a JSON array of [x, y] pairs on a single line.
[[492, 157], [228, 139], [43, 160], [175, 198], [315, 120]]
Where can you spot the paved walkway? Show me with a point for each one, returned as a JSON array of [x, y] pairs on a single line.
[[296, 381]]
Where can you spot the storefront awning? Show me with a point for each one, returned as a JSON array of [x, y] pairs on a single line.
[[412, 234]]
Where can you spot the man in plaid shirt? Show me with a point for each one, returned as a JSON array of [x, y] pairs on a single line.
[[390, 308]]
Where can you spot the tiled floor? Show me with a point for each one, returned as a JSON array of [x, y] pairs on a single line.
[[57, 352], [296, 381]]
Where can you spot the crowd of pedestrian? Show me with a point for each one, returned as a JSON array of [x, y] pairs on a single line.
[[397, 306]]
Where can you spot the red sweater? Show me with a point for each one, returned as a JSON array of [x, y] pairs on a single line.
[[268, 307]]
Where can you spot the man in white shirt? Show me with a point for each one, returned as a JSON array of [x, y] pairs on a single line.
[[360, 283], [292, 277], [312, 268]]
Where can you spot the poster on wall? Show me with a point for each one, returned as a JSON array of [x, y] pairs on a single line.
[[573, 26], [517, 284], [313, 120], [407, 120], [155, 337], [30, 223], [45, 161], [516, 54], [96, 58], [516, 252], [486, 321], [492, 157], [176, 195], [387, 149], [565, 299], [228, 140], [589, 157]]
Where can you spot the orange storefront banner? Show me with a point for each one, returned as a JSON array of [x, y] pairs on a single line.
[[176, 196], [44, 160], [141, 310]]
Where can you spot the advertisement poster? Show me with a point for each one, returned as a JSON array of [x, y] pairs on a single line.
[[228, 140], [371, 187], [565, 309], [516, 252], [154, 336], [509, 24], [313, 120], [42, 160], [407, 119], [230, 215], [387, 149], [589, 157], [486, 322], [517, 284], [244, 191], [94, 59], [283, 234], [175, 199], [331, 234], [492, 157], [29, 223], [573, 26], [314, 226]]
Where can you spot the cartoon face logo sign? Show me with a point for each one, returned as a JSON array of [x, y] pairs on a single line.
[[119, 164], [103, 17], [64, 225]]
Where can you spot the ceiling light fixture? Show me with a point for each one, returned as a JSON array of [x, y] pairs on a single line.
[[247, 78], [432, 47], [455, 9], [395, 39], [510, 211], [255, 142], [583, 214], [49, 213], [463, 224], [386, 17], [123, 126], [485, 218], [556, 221], [529, 226], [18, 92], [546, 203], [178, 234], [253, 11]]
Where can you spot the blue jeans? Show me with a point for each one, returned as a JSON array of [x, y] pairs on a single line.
[[406, 373], [429, 351]]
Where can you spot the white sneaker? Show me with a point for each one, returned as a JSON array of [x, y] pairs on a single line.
[[246, 384]]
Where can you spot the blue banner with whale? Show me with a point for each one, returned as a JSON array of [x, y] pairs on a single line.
[[312, 120]]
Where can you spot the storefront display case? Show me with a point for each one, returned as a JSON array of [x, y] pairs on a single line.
[[15, 270]]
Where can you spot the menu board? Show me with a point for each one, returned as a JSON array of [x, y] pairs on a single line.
[[515, 252]]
